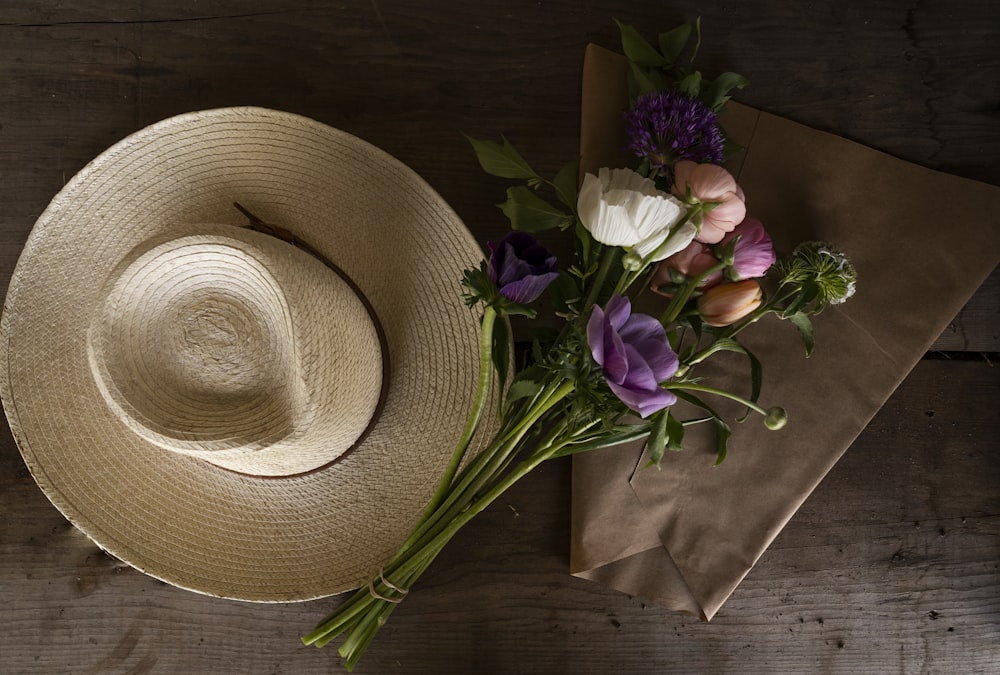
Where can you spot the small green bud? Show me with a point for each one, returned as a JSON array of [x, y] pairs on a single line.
[[632, 261], [776, 418]]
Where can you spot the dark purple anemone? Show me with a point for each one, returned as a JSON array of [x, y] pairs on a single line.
[[520, 267], [666, 127], [635, 355]]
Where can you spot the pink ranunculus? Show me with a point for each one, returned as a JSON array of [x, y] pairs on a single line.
[[754, 252], [727, 303], [711, 184], [692, 261]]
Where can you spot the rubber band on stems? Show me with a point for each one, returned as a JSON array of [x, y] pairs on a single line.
[[375, 594]]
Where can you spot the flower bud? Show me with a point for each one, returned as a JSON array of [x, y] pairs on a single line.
[[727, 303], [820, 265], [632, 261], [752, 252], [776, 418], [694, 260]]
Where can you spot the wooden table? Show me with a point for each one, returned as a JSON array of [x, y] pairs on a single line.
[[892, 565]]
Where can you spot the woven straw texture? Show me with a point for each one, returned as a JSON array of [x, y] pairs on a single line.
[[108, 403]]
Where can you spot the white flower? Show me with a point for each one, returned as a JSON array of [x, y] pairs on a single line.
[[621, 208]]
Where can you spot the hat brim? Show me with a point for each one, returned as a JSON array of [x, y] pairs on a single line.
[[181, 519]]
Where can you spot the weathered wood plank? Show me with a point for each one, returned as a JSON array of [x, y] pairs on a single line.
[[77, 79], [890, 566]]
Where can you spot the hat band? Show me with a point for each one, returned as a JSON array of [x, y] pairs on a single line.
[[258, 225]]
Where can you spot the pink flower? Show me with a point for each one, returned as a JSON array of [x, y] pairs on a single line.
[[754, 253], [692, 261], [727, 303], [710, 184]]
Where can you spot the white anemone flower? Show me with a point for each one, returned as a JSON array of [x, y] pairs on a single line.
[[621, 208]]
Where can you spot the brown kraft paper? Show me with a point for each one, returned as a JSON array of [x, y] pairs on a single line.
[[922, 242]]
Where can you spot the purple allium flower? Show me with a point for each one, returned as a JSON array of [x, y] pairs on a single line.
[[520, 267], [665, 127], [634, 353], [754, 252]]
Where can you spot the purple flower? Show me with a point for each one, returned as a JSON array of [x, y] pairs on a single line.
[[633, 351], [520, 267], [754, 252], [665, 127]]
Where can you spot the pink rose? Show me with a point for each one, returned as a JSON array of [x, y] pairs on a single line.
[[727, 303], [710, 184]]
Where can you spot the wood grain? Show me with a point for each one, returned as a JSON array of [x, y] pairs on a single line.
[[892, 564]]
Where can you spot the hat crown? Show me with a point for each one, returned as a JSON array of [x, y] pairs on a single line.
[[236, 348]]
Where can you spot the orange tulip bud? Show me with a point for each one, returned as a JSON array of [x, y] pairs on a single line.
[[727, 303]]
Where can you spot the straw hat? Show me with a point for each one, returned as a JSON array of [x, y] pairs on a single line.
[[232, 413]]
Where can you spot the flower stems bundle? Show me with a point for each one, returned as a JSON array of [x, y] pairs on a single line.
[[675, 224]]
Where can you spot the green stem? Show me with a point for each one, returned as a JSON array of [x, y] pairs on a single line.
[[718, 392], [479, 404], [485, 468], [607, 258], [680, 299], [363, 614], [466, 489], [695, 210], [735, 329], [339, 619], [599, 443]]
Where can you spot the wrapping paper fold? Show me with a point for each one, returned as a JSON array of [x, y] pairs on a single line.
[[922, 241]]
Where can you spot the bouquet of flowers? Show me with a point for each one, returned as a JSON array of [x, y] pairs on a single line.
[[675, 224]]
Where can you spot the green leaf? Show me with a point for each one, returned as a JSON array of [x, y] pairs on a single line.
[[722, 430], [691, 85], [675, 433], [479, 285], [530, 213], [756, 376], [697, 40], [722, 434], [647, 80], [566, 182], [673, 41], [756, 370], [802, 321], [657, 442], [637, 49], [565, 293], [501, 160], [717, 91], [526, 385], [730, 148]]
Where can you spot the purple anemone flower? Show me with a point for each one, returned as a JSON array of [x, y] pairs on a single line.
[[635, 355], [520, 267], [666, 127]]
